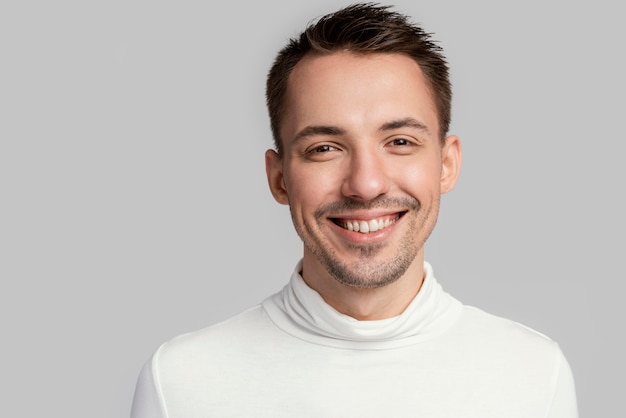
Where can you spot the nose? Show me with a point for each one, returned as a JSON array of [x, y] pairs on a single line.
[[367, 176]]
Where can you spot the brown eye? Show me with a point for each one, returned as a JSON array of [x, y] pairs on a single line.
[[400, 142], [403, 145], [321, 152], [322, 149]]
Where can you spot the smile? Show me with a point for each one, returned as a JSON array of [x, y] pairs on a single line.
[[367, 226]]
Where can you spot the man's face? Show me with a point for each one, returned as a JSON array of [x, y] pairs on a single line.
[[363, 166]]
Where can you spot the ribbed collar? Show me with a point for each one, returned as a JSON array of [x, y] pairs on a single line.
[[303, 313]]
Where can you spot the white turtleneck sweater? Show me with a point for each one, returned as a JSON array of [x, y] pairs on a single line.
[[295, 356]]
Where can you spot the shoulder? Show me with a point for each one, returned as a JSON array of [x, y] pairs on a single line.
[[493, 342], [222, 336], [195, 364], [199, 360], [532, 362], [499, 330]]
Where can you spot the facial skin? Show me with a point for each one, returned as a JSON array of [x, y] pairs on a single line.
[[362, 151]]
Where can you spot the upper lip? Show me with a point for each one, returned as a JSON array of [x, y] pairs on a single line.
[[367, 216]]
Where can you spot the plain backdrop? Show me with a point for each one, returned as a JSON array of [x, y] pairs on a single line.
[[134, 204]]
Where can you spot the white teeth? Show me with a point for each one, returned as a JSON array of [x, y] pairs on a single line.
[[365, 227]]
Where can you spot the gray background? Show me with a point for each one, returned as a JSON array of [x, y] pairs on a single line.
[[134, 205]]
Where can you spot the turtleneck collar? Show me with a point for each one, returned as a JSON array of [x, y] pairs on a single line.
[[303, 313]]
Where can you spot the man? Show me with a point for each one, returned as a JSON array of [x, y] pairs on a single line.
[[360, 108]]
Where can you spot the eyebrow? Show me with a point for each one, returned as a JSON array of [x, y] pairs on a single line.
[[318, 130], [336, 131], [404, 123]]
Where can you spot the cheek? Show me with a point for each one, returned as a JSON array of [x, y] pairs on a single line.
[[302, 194], [419, 177], [312, 186]]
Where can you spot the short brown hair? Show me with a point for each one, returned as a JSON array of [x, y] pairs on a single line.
[[361, 28]]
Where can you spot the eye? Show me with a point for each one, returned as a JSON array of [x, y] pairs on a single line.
[[402, 145], [321, 149], [321, 152], [400, 142]]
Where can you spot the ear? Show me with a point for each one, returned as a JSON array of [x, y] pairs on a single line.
[[275, 179], [451, 156]]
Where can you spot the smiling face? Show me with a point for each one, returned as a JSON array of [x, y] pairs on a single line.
[[363, 166]]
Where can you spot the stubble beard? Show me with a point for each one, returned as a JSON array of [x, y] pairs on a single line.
[[367, 272]]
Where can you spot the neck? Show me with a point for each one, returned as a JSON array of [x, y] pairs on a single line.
[[365, 303]]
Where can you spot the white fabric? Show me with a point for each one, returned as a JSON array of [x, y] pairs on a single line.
[[295, 356]]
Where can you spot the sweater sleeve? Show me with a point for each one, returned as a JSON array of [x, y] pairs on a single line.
[[564, 401], [147, 402]]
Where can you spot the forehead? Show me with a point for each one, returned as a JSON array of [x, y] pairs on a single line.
[[350, 89], [343, 64]]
